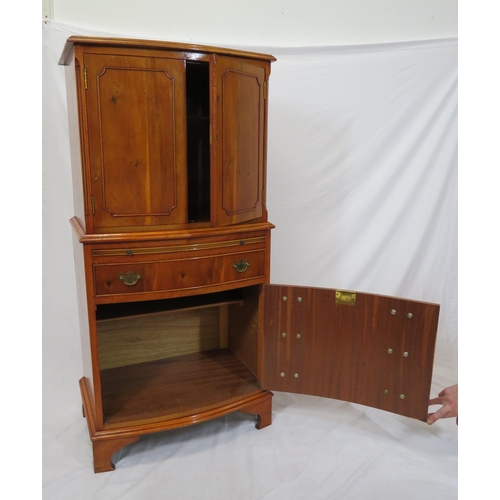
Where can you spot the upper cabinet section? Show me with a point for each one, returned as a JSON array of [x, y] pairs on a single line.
[[166, 136]]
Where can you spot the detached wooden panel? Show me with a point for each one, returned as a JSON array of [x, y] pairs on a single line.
[[377, 351]]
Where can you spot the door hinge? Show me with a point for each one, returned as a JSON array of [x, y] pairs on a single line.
[[85, 78], [93, 205], [265, 90]]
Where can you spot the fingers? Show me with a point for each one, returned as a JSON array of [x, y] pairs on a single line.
[[435, 401], [432, 417], [448, 398]]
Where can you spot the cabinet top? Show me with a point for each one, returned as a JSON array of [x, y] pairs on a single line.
[[154, 44]]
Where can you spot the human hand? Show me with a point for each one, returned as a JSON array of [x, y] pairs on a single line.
[[449, 399]]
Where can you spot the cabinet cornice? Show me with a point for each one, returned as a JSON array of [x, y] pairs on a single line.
[[132, 43]]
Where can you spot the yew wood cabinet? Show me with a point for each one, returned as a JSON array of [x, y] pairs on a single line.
[[179, 323]]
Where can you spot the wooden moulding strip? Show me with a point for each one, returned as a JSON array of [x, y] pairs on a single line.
[[166, 235], [87, 408]]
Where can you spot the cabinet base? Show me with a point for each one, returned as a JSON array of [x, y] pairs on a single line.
[[105, 443]]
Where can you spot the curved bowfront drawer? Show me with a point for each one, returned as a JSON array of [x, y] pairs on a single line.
[[200, 274]]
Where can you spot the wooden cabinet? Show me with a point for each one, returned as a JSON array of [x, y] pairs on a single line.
[[171, 136], [178, 319]]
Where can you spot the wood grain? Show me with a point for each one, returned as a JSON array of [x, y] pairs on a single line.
[[174, 387], [364, 354], [149, 337]]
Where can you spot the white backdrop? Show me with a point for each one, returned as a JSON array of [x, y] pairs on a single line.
[[363, 172], [282, 23], [362, 188]]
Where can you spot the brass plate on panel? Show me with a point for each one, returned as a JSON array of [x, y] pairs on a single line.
[[345, 298]]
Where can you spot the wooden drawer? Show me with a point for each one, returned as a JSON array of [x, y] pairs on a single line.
[[194, 274]]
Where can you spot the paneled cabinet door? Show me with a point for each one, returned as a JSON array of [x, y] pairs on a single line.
[[136, 121], [238, 172], [368, 349]]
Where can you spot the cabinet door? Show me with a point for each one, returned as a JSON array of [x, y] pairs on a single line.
[[368, 349], [238, 171], [136, 122]]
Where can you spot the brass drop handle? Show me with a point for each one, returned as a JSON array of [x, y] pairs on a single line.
[[241, 266], [130, 278]]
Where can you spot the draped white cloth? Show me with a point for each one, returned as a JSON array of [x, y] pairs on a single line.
[[362, 188]]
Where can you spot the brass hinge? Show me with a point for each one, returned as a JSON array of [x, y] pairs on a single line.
[[93, 205], [85, 78], [265, 90]]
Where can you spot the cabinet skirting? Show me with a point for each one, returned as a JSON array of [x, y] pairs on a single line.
[[106, 442]]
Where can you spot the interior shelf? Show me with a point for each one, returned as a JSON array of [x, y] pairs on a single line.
[[175, 387], [126, 309]]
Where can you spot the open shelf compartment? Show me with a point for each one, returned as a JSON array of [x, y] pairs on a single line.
[[175, 358], [174, 387]]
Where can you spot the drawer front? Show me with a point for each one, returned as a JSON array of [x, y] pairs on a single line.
[[205, 274]]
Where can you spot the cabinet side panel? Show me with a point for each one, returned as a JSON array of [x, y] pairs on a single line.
[[83, 314], [243, 328], [273, 361], [72, 89]]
